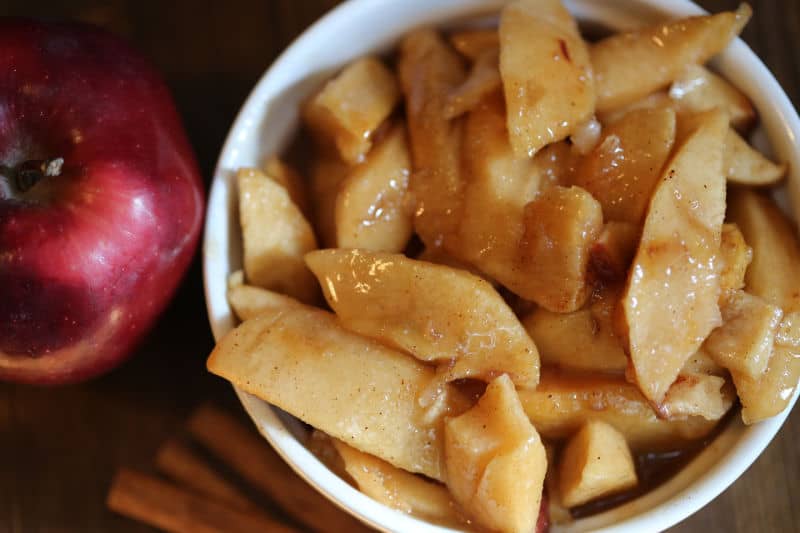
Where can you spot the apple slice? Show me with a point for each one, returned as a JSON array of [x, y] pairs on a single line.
[[613, 251], [472, 43], [575, 341], [434, 312], [743, 343], [768, 395], [561, 225], [397, 488], [595, 463], [697, 89], [302, 360], [284, 174], [248, 301], [351, 106], [624, 167], [701, 395], [429, 71], [630, 66], [275, 236], [788, 333], [372, 208], [563, 402], [495, 461], [547, 77], [745, 165], [482, 81], [735, 256], [670, 302]]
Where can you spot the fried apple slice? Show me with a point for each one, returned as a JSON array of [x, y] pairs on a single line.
[[744, 341], [397, 488], [351, 106], [575, 341], [482, 81], [770, 394], [697, 89], [280, 171], [595, 463], [429, 71], [788, 333], [563, 402], [651, 101], [613, 251], [629, 66], [547, 76], [670, 302], [624, 167], [774, 273], [248, 301], [495, 461], [561, 225], [735, 256], [372, 208], [701, 395], [275, 234], [745, 165], [472, 43], [327, 174], [302, 360], [436, 313]]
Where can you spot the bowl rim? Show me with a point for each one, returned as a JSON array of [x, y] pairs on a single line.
[[744, 449]]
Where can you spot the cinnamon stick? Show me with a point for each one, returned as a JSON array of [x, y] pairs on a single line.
[[251, 457], [183, 466], [165, 506]]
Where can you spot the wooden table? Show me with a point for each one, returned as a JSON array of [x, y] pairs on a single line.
[[59, 447]]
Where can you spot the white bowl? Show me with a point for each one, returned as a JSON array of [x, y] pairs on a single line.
[[269, 120]]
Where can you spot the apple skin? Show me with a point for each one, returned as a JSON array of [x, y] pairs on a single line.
[[90, 257]]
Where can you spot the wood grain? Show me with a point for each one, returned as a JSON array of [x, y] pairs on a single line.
[[59, 447]]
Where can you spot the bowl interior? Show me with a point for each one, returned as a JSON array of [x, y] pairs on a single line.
[[266, 125]]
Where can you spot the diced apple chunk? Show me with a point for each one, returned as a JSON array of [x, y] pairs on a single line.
[[629, 66], [302, 360], [275, 235], [561, 225], [595, 463], [563, 402], [248, 301], [350, 107], [434, 312], [496, 462], [735, 256], [429, 71], [547, 76], [625, 166], [743, 343], [745, 165], [575, 341], [670, 303], [697, 89], [372, 208], [397, 488]]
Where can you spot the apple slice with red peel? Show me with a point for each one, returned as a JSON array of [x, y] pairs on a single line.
[[101, 201]]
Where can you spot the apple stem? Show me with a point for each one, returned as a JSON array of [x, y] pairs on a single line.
[[29, 173]]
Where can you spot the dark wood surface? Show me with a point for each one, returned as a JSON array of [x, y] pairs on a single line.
[[59, 447]]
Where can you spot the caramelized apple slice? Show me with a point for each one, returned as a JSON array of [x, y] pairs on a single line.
[[248, 301], [596, 463], [768, 395], [434, 312], [283, 173], [744, 341], [701, 395], [429, 71], [495, 461], [629, 66], [397, 488], [745, 165], [563, 402], [372, 208], [351, 106], [561, 225], [735, 256], [623, 169], [547, 77], [613, 251], [697, 89], [275, 235], [670, 303], [302, 360]]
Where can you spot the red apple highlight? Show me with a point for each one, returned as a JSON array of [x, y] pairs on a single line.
[[101, 201]]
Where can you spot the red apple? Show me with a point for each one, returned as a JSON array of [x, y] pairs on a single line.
[[101, 201]]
